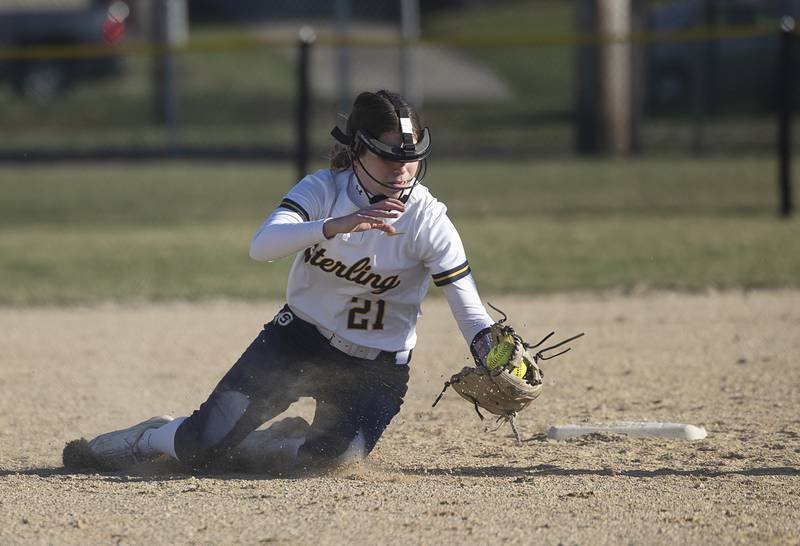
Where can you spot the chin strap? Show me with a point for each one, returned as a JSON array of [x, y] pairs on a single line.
[[375, 198]]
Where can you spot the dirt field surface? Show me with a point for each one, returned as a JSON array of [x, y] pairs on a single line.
[[725, 361]]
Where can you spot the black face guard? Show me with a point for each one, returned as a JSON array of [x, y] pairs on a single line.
[[403, 154], [407, 152]]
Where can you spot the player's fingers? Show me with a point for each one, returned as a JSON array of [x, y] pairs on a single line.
[[386, 228], [374, 223]]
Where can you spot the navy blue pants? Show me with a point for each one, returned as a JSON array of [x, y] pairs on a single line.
[[290, 359]]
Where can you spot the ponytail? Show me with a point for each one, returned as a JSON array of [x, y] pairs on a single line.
[[340, 158]]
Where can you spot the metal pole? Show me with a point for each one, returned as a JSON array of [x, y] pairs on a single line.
[[306, 37], [409, 66], [785, 99], [344, 17], [615, 59]]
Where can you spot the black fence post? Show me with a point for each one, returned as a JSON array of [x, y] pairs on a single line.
[[589, 97], [306, 37], [704, 74], [785, 99]]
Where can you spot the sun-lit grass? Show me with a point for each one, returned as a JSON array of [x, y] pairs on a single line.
[[74, 233], [58, 265], [545, 255]]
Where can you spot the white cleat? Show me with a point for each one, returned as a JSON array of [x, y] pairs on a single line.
[[113, 450]]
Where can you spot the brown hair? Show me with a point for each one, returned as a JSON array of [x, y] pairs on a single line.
[[375, 114]]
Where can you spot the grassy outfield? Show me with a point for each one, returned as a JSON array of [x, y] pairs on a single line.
[[83, 233]]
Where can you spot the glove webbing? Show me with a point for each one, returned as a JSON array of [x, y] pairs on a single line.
[[510, 418], [474, 402]]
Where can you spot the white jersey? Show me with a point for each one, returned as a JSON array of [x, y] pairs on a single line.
[[367, 287]]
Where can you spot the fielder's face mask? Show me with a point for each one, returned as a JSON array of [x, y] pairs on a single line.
[[407, 152]]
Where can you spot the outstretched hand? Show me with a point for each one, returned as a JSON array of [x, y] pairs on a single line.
[[371, 217]]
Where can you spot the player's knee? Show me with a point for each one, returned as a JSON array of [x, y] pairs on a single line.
[[333, 451], [209, 430], [356, 451]]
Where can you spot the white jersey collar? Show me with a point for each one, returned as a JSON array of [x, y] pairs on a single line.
[[355, 191]]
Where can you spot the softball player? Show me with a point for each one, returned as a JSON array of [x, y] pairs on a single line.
[[366, 236]]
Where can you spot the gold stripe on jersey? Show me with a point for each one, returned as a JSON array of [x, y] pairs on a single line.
[[294, 206], [451, 275]]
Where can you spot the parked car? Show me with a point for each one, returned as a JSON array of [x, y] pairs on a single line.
[[730, 72], [45, 78]]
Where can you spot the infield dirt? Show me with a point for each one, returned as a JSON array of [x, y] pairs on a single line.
[[727, 361]]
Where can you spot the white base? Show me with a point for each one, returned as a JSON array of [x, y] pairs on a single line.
[[638, 429]]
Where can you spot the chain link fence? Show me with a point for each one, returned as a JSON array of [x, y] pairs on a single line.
[[493, 79]]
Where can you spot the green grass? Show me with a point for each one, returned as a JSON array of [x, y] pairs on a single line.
[[155, 231], [58, 265], [692, 253], [169, 193], [541, 78], [624, 187], [137, 194]]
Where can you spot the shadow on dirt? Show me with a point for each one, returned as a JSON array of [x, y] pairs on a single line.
[[167, 473], [531, 472]]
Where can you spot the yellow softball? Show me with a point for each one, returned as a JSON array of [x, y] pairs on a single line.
[[520, 370], [499, 355]]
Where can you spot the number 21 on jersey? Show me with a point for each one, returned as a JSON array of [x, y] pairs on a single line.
[[364, 315]]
